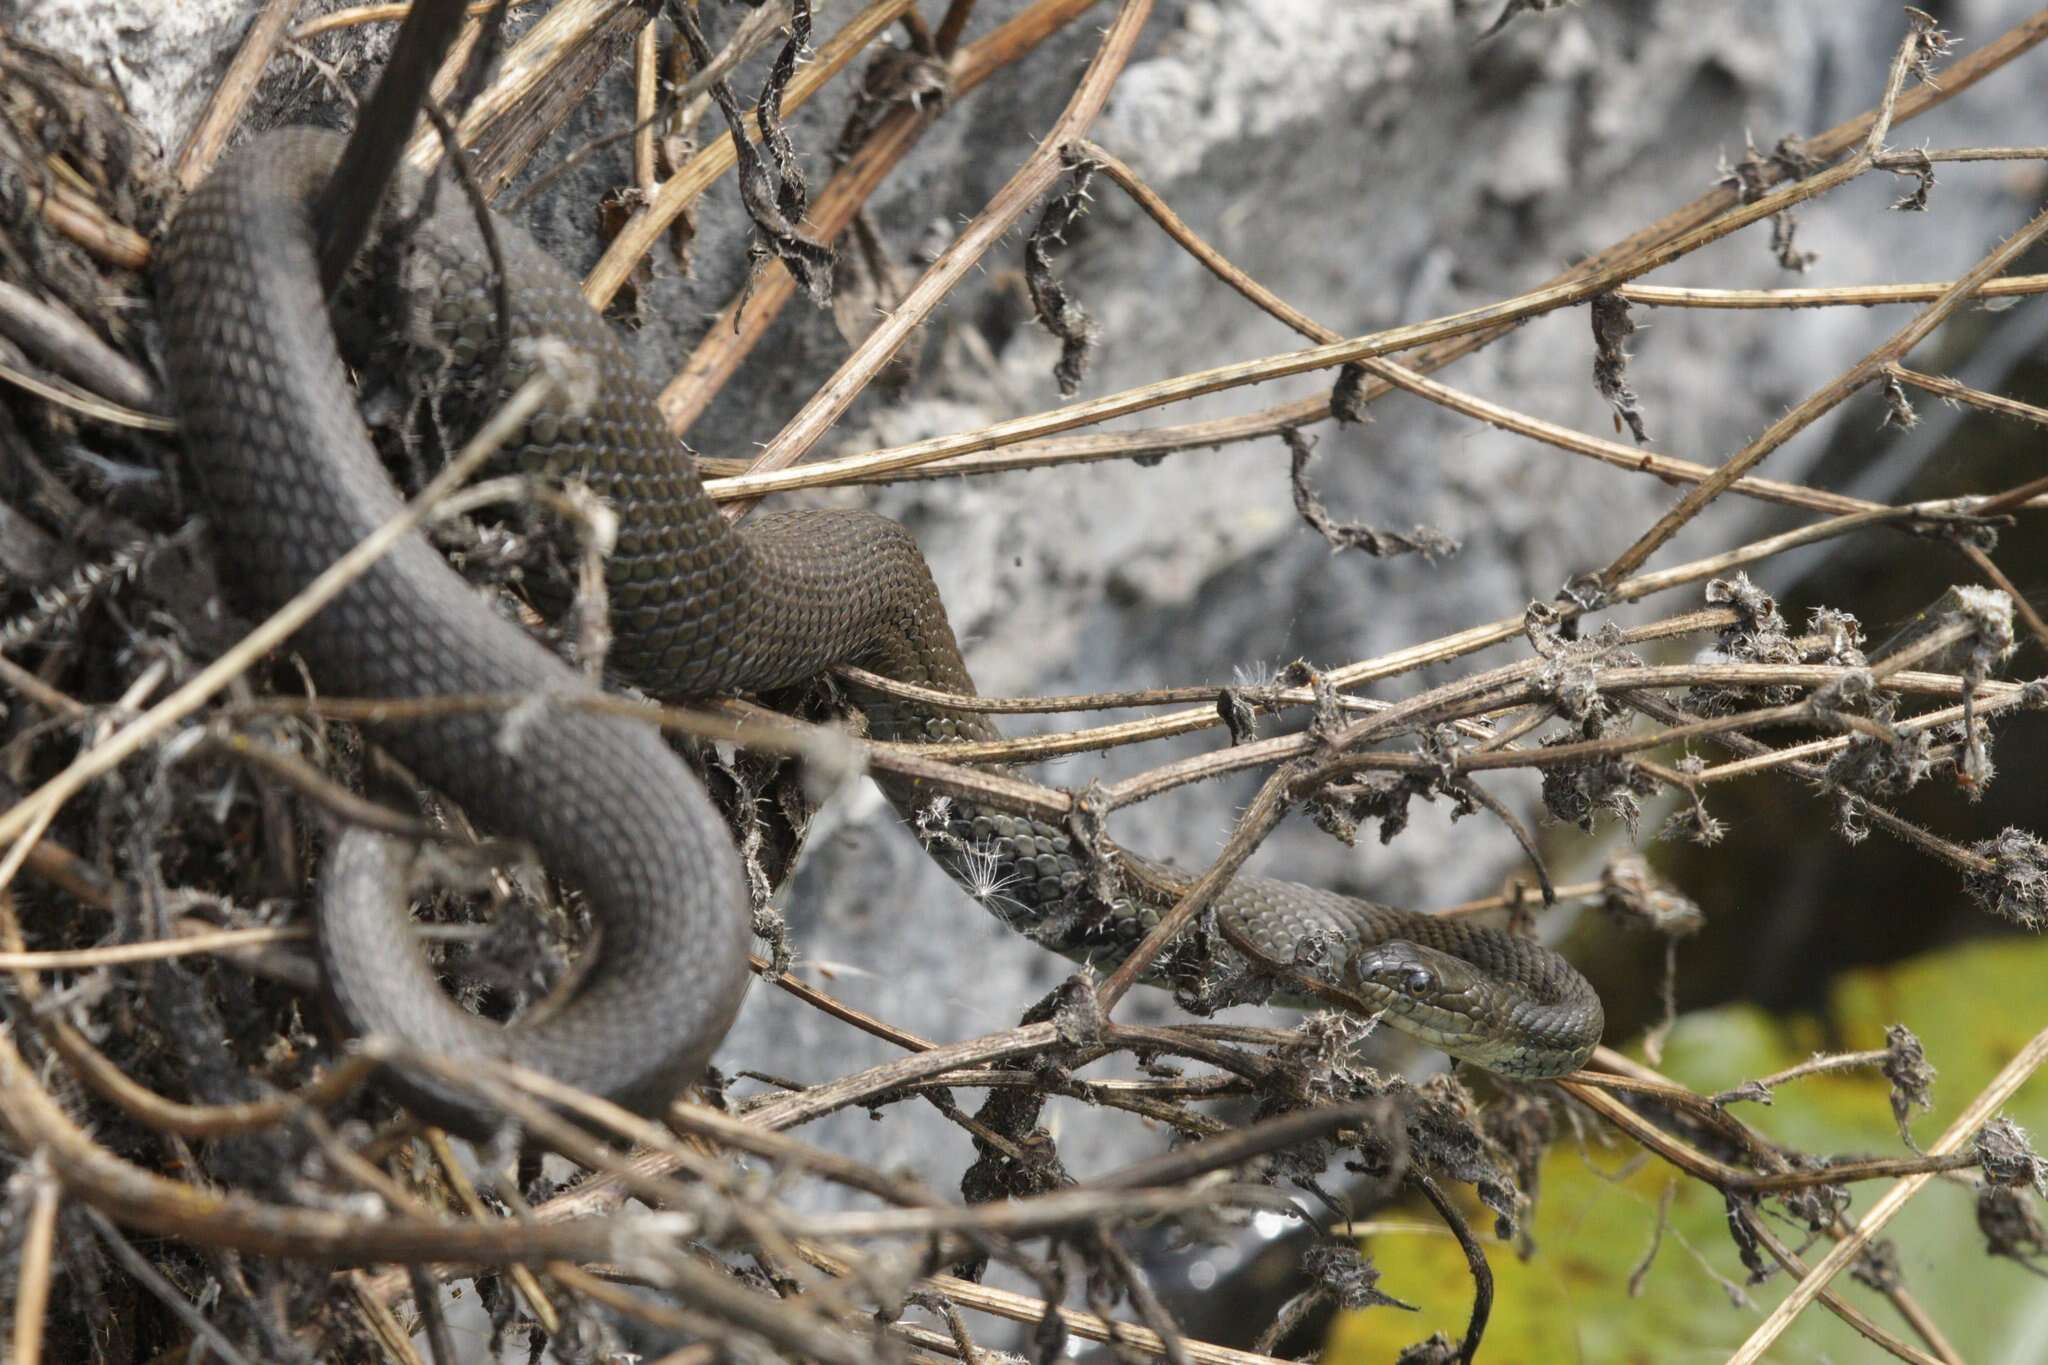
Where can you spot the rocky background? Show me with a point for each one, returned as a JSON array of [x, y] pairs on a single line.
[[1373, 163]]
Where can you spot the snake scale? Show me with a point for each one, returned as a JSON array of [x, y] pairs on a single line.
[[291, 481]]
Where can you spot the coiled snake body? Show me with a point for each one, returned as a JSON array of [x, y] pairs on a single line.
[[292, 481]]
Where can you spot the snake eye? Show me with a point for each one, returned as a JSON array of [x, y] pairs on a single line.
[[1418, 981]]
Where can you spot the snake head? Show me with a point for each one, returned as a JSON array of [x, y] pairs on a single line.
[[1473, 1013], [1400, 969], [1443, 1000]]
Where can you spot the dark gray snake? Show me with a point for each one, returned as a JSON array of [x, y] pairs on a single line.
[[292, 481]]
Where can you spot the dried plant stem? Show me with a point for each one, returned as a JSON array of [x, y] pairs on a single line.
[[66, 396], [1031, 179], [1041, 1213], [1956, 392], [1830, 296], [2029, 615], [667, 1316], [1822, 1064], [51, 699], [1590, 1088], [1679, 1153], [85, 223], [1082, 449], [158, 950], [646, 107], [1905, 1305], [1259, 819], [1520, 897], [545, 55], [57, 337], [840, 1010], [947, 37], [2021, 495], [790, 1111], [32, 1272], [1669, 468], [380, 14], [1475, 1260], [346, 205], [1825, 399], [1612, 452], [638, 235], [522, 1277], [768, 475], [1794, 755], [743, 322], [171, 1208], [741, 325], [310, 782], [209, 137], [171, 1296], [1016, 1307], [1993, 1098], [1834, 1303]]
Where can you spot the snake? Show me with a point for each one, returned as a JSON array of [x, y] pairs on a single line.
[[291, 479]]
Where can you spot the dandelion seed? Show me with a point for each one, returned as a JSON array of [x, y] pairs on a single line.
[[979, 869], [1253, 674], [974, 863]]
